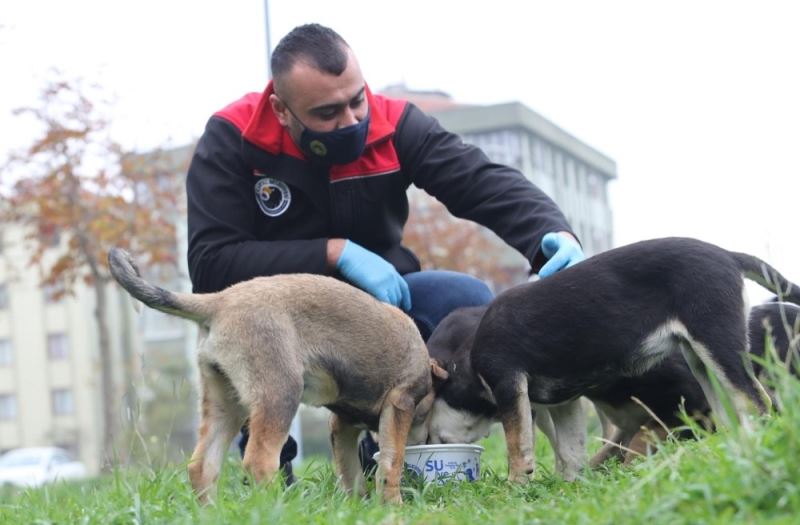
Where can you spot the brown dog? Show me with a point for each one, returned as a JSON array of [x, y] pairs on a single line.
[[270, 343]]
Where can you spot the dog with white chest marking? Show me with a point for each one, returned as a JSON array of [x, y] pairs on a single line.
[[615, 315], [270, 343]]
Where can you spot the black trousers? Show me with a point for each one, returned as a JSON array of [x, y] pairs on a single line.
[[367, 447]]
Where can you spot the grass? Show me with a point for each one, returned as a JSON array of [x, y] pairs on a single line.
[[722, 478]]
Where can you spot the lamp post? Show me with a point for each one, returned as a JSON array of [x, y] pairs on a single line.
[[269, 39], [296, 430]]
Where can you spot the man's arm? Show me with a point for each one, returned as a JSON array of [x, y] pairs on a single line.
[[472, 187], [223, 248]]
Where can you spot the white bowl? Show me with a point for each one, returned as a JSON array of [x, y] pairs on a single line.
[[440, 463]]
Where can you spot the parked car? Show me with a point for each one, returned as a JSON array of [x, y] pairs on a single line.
[[35, 466]]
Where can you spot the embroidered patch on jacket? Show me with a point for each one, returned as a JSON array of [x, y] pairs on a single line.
[[273, 196]]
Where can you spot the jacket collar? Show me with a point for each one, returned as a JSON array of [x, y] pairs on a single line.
[[266, 132]]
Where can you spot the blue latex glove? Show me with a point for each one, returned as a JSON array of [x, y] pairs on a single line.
[[373, 274], [561, 252]]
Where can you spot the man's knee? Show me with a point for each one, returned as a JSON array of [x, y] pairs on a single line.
[[436, 293]]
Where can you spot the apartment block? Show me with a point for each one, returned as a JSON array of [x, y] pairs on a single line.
[[50, 383]]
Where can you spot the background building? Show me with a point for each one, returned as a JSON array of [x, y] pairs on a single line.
[[50, 373], [49, 367]]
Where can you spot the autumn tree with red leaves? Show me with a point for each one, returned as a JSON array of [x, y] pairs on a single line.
[[78, 193]]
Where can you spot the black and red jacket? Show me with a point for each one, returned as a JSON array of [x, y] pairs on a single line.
[[236, 233]]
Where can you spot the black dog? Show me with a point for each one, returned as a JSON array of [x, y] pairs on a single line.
[[664, 389], [671, 384], [614, 316]]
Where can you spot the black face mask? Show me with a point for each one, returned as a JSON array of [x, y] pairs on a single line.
[[340, 146]]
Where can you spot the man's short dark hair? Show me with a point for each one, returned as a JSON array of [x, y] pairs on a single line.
[[317, 45]]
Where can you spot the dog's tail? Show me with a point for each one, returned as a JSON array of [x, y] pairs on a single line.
[[189, 306], [762, 273]]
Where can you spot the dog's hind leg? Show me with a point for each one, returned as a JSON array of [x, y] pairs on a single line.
[[543, 421], [645, 441], [717, 344], [697, 359], [570, 425], [221, 419], [613, 448], [396, 417], [270, 422], [609, 429], [731, 374], [517, 419], [344, 443]]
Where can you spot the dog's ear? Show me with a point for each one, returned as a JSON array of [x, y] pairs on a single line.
[[437, 370], [486, 391]]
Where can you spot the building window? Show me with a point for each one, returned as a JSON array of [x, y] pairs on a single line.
[[63, 403], [3, 296], [503, 147], [6, 353], [549, 161], [569, 172], [593, 186], [57, 347], [558, 167], [537, 158], [8, 407], [580, 178]]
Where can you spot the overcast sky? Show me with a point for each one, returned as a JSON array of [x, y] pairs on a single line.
[[698, 102]]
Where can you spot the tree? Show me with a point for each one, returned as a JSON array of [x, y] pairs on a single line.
[[445, 242], [78, 193]]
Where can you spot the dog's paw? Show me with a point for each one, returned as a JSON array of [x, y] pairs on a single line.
[[520, 477], [392, 497]]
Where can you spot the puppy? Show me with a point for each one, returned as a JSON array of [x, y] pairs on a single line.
[[615, 315], [780, 322], [671, 384], [270, 343], [663, 389], [471, 408], [453, 336]]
